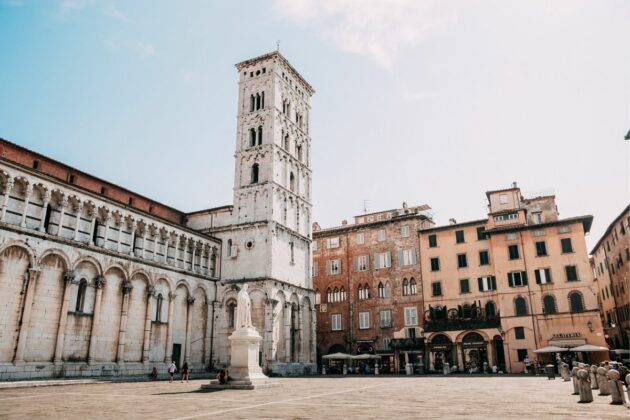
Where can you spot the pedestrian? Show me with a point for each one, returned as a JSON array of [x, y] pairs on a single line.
[[154, 374], [172, 368], [528, 364], [185, 372]]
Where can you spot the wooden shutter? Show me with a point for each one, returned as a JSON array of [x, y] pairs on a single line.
[[413, 256], [524, 277], [480, 283], [548, 275], [493, 281], [537, 275], [510, 280], [367, 262], [388, 259], [401, 260], [355, 263]]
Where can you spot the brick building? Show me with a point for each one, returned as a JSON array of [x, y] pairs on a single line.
[[368, 287], [611, 265]]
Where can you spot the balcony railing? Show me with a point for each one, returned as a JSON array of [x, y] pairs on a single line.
[[461, 324]]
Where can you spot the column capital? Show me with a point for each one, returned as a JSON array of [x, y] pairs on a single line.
[[99, 282], [190, 300], [172, 295], [69, 276], [8, 184], [151, 291], [47, 196], [64, 202], [126, 287]]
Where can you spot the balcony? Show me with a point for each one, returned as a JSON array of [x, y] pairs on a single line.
[[407, 343], [466, 317]]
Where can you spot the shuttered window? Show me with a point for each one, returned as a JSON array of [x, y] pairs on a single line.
[[541, 249], [335, 321], [517, 278], [435, 264], [432, 241], [543, 275], [459, 236], [407, 256], [361, 263], [487, 283], [382, 260], [436, 288], [462, 261], [411, 316], [566, 245], [513, 252], [364, 320], [571, 272], [464, 286], [333, 267], [484, 258]]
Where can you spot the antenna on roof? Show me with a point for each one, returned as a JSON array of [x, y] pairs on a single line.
[[278, 45], [365, 206]]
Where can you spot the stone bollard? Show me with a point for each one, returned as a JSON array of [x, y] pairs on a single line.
[[376, 369], [602, 381], [586, 394], [593, 373], [616, 388], [446, 368], [565, 372], [576, 385], [323, 370]]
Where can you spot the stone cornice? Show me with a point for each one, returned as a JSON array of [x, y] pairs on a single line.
[[265, 279]]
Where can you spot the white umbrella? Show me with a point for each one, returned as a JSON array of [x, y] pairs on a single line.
[[337, 356], [588, 347], [551, 349], [366, 356]]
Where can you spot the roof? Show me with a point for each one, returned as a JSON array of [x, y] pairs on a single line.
[[359, 226], [453, 226], [586, 221], [421, 207], [276, 54], [211, 210], [610, 228], [501, 190]]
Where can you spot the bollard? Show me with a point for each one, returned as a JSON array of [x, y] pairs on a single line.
[[586, 394], [602, 381], [616, 389], [376, 369], [323, 370], [345, 369], [565, 372], [446, 369], [576, 385], [593, 373], [409, 369], [551, 374]]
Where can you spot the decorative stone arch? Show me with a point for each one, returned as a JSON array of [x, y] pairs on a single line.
[[437, 335], [57, 252], [119, 267], [576, 297], [144, 273], [307, 303], [23, 245], [183, 283], [463, 334], [163, 280], [516, 298], [293, 299], [88, 259]]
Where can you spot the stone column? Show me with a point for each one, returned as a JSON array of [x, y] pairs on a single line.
[[313, 348], [300, 346], [62, 213], [106, 220], [47, 197], [8, 187], [167, 240], [134, 226], [144, 242], [287, 329], [182, 264], [93, 214], [126, 289], [460, 356], [99, 282], [33, 274], [79, 209], [27, 197], [147, 324], [121, 223], [189, 310], [63, 316], [169, 329], [491, 356]]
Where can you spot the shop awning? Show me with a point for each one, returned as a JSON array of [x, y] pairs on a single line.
[[568, 342], [337, 356], [365, 356], [589, 348], [551, 349]]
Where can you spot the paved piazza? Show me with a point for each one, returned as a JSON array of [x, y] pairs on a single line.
[[370, 397]]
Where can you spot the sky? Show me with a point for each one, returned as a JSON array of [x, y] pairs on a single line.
[[427, 102]]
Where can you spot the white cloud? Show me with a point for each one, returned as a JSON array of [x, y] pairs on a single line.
[[115, 13], [146, 50], [380, 29]]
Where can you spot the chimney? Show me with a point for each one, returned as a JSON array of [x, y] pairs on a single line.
[[344, 222], [514, 185], [452, 221], [316, 227]]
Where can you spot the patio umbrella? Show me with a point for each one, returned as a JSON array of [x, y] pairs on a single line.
[[589, 347], [551, 349], [366, 356], [337, 356]]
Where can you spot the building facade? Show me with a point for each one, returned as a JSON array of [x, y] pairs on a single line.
[[96, 280], [611, 265], [368, 286]]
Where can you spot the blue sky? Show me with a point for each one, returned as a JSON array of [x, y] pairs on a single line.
[[417, 101]]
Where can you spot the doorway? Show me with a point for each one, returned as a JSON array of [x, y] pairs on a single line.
[[177, 354]]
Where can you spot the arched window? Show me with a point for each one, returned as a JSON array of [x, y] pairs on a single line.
[[361, 292], [318, 297], [257, 101], [298, 152], [405, 287], [366, 291], [158, 308], [329, 295], [549, 305], [520, 306], [254, 173], [491, 309], [381, 290], [576, 303], [342, 293], [231, 312], [336, 295], [229, 248], [286, 142], [292, 182], [252, 103], [260, 134], [81, 296], [412, 286], [252, 137], [262, 100]]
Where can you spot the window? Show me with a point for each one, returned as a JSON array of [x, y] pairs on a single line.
[[380, 235], [503, 217], [549, 305], [543, 275], [565, 229], [575, 302], [464, 286], [404, 231], [435, 264], [503, 199], [522, 354], [571, 272], [255, 173], [517, 278], [481, 233], [335, 322], [405, 287], [71, 178], [462, 261], [252, 137], [80, 306], [432, 241], [411, 316], [436, 288], [407, 256], [332, 243], [539, 233], [537, 217], [292, 182], [382, 260], [158, 308], [519, 333], [364, 320], [329, 295], [386, 318], [487, 283], [484, 258], [513, 252], [364, 292], [520, 306], [459, 236], [360, 238], [387, 343], [36, 166], [541, 249], [318, 297], [333, 267], [231, 312], [361, 263], [381, 290], [567, 247], [491, 309], [315, 268], [342, 294], [412, 286]]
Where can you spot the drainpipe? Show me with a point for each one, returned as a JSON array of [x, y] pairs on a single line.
[[214, 302], [612, 292], [350, 295], [529, 295]]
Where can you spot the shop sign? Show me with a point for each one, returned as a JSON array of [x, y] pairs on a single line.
[[474, 344], [560, 336], [440, 347]]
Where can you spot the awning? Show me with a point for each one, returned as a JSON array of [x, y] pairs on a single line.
[[551, 349], [365, 356], [568, 343], [337, 356], [589, 348]]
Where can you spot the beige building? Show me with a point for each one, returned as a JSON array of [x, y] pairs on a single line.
[[499, 288]]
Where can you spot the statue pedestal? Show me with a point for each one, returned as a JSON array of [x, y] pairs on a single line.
[[245, 372]]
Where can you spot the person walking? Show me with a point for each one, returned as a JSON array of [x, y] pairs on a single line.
[[172, 368], [185, 372], [528, 364]]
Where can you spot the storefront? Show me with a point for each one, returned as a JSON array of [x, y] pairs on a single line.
[[440, 352], [474, 353], [408, 353]]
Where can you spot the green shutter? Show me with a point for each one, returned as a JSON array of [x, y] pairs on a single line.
[[494, 282], [537, 275], [524, 277], [480, 283], [548, 275], [510, 280]]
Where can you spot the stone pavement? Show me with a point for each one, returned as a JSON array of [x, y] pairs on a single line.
[[318, 397]]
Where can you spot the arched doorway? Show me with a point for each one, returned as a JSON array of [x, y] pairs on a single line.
[[335, 366], [440, 352], [474, 353], [499, 355]]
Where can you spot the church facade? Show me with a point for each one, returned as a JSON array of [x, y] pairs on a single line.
[[96, 280]]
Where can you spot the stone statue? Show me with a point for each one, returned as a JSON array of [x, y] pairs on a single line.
[[576, 385], [586, 394], [565, 372], [275, 322], [616, 388], [602, 380], [243, 309], [593, 372]]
